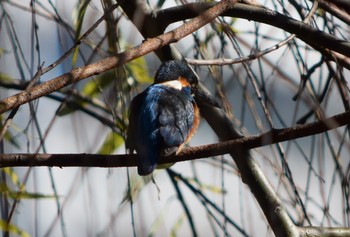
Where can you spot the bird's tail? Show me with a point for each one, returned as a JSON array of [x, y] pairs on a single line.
[[147, 161]]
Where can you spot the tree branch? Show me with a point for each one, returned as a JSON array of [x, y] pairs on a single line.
[[109, 63], [95, 160], [323, 42], [324, 231], [335, 10]]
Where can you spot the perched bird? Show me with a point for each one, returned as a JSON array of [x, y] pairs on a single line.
[[164, 116]]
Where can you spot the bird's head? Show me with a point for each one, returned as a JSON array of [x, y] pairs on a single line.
[[178, 74]]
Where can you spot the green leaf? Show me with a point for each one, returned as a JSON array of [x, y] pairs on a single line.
[[3, 51], [78, 25], [8, 136], [13, 176], [164, 166], [137, 69], [22, 194], [94, 87], [5, 78], [137, 183], [29, 195], [91, 89], [177, 225], [65, 110], [71, 106], [111, 143], [222, 28], [202, 186], [11, 228], [159, 221]]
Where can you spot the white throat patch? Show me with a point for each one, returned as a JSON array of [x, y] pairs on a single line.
[[176, 84]]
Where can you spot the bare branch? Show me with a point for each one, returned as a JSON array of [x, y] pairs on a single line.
[[95, 160], [324, 232]]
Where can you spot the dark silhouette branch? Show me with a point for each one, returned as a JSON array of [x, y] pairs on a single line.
[[336, 10], [327, 44], [95, 160], [342, 4]]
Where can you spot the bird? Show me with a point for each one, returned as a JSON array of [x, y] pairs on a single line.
[[164, 117]]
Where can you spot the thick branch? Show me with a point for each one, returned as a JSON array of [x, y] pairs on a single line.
[[343, 4], [249, 142], [317, 39]]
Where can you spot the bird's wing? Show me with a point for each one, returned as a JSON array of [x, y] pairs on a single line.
[[176, 117]]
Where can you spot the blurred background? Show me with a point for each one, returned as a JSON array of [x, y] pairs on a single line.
[[310, 174]]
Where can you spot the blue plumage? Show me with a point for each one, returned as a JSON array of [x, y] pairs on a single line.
[[164, 116]]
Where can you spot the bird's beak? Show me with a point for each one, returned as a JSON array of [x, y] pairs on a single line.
[[204, 95]]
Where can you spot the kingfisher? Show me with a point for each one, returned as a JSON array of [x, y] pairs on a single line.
[[164, 117]]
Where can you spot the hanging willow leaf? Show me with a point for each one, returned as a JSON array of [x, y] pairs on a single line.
[[138, 70], [111, 143], [11, 228], [78, 26], [13, 176]]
